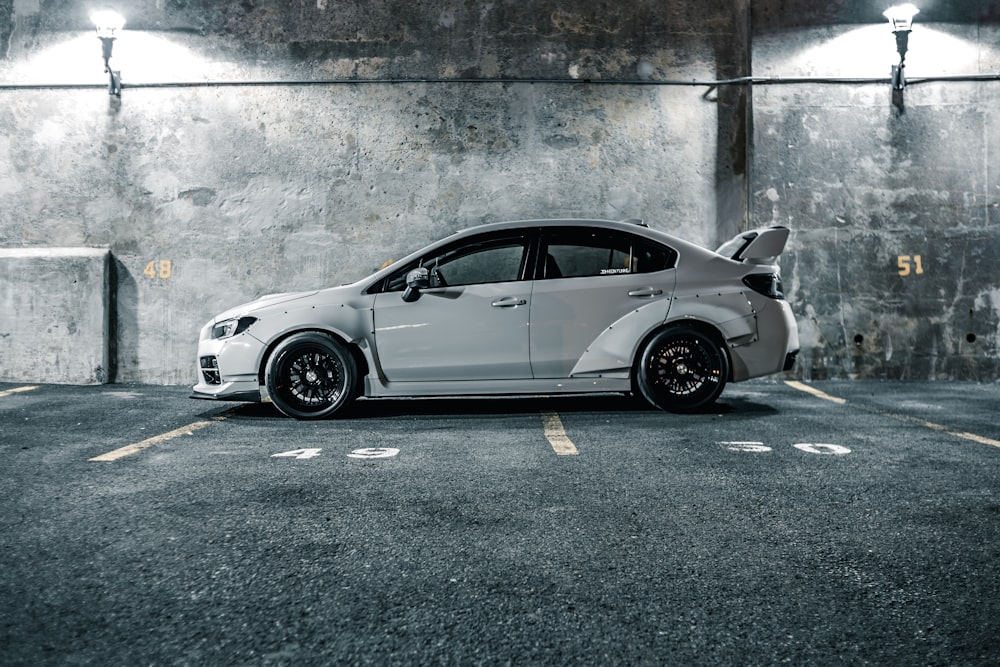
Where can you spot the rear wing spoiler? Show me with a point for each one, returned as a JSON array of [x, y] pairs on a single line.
[[758, 246]]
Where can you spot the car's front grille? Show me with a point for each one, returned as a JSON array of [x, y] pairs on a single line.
[[210, 370]]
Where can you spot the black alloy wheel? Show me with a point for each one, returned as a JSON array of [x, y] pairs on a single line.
[[311, 376], [682, 370]]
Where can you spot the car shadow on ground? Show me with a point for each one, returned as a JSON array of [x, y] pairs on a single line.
[[492, 406]]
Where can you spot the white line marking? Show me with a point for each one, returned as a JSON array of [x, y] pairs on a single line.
[[556, 435], [815, 392], [16, 390], [746, 446], [822, 448], [374, 453], [307, 453]]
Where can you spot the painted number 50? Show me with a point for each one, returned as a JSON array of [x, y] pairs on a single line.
[[909, 265]]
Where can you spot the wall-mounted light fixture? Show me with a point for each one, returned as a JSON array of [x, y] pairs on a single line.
[[901, 19], [109, 24]]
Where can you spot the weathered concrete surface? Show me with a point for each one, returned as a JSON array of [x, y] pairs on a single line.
[[54, 324], [893, 266], [210, 196], [541, 39]]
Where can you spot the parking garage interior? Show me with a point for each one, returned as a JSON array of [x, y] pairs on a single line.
[[205, 153], [262, 147]]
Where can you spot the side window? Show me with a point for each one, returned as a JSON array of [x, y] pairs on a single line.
[[588, 252], [482, 261], [498, 263]]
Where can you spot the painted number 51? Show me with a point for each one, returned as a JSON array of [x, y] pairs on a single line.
[[909, 265]]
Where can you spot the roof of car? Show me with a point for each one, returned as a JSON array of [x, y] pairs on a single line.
[[631, 225], [559, 222], [634, 225]]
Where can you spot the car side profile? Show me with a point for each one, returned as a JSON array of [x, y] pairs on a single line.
[[517, 308]]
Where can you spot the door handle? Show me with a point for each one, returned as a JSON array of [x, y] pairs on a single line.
[[508, 302], [645, 292]]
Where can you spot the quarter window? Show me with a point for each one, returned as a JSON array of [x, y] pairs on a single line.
[[587, 252]]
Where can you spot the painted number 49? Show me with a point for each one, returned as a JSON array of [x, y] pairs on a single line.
[[909, 265]]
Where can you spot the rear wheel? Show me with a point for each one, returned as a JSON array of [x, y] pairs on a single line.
[[682, 370], [311, 376]]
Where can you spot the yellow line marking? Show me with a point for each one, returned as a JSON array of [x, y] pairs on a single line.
[[975, 438], [943, 429], [137, 447], [556, 435], [815, 392], [913, 420], [15, 390]]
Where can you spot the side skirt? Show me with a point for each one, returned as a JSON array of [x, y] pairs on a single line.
[[376, 389]]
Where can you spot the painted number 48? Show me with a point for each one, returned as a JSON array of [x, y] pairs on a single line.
[[909, 265], [159, 268]]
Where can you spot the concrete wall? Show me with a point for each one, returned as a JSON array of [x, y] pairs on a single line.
[[355, 136], [870, 185], [209, 196]]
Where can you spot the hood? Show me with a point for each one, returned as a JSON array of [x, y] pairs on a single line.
[[261, 302], [758, 246]]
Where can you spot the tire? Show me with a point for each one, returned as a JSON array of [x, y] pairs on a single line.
[[311, 376], [682, 370]]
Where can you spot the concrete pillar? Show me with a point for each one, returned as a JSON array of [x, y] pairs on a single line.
[[54, 315]]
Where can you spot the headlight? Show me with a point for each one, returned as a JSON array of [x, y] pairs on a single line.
[[227, 328]]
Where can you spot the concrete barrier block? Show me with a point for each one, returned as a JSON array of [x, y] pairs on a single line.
[[54, 315]]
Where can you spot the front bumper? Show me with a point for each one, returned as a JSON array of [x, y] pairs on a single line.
[[228, 368], [230, 391]]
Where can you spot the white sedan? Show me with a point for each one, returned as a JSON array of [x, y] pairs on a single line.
[[527, 307]]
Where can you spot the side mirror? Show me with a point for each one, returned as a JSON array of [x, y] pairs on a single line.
[[416, 280]]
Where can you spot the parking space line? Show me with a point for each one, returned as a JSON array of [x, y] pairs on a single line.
[[556, 435], [134, 448], [16, 390], [964, 435], [815, 392]]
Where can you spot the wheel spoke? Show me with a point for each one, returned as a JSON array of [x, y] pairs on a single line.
[[310, 376], [314, 379], [680, 367], [684, 369]]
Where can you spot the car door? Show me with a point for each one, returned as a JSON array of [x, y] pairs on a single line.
[[470, 323], [588, 279]]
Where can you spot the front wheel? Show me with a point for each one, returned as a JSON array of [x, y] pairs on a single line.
[[311, 376], [682, 370]]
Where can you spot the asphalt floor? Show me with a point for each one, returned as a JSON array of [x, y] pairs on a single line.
[[810, 523]]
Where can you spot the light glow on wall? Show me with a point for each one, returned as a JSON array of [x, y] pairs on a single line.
[[868, 52], [145, 57]]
